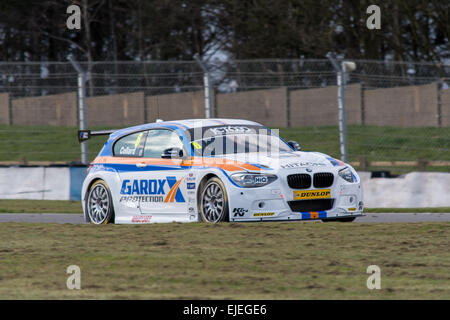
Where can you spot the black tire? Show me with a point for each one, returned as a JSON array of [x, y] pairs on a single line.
[[99, 204], [348, 219], [213, 207]]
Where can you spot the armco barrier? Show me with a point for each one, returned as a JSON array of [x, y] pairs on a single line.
[[415, 189], [41, 183]]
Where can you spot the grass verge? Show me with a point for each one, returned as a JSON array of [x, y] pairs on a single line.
[[225, 261], [40, 206]]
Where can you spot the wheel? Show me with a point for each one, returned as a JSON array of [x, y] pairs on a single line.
[[348, 219], [214, 201], [99, 204]]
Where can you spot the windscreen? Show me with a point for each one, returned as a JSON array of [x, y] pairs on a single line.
[[226, 140]]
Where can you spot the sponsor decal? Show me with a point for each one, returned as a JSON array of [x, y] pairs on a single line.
[[191, 185], [220, 131], [138, 140], [152, 190], [127, 150], [264, 214], [141, 219], [301, 164], [191, 177], [335, 162], [239, 212], [191, 209], [191, 192], [312, 194], [196, 145], [84, 135]]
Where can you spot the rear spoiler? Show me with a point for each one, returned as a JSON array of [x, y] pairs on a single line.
[[84, 135]]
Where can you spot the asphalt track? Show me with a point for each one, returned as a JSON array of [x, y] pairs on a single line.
[[369, 217]]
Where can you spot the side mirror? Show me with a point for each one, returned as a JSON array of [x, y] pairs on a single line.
[[172, 153], [295, 145]]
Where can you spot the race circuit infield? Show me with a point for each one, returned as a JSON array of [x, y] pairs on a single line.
[[368, 218]]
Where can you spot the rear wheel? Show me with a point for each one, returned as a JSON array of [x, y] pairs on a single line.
[[348, 219], [214, 201], [99, 204]]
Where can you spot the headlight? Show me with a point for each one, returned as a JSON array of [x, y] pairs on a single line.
[[253, 180], [346, 174]]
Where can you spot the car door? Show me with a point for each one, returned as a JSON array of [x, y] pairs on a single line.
[[128, 152], [165, 188]]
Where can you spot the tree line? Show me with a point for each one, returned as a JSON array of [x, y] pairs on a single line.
[[115, 30]]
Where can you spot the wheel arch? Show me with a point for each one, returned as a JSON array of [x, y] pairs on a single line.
[[88, 187], [202, 182]]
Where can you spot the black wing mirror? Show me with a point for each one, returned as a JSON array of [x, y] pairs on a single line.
[[172, 153], [295, 145]]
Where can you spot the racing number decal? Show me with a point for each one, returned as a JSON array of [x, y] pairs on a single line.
[[138, 140]]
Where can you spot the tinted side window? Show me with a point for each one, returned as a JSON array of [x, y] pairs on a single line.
[[159, 140], [131, 145]]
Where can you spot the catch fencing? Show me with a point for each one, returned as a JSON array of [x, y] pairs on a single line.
[[396, 111]]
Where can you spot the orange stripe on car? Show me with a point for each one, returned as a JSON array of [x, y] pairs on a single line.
[[225, 164]]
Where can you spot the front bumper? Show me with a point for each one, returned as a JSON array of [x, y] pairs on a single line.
[[271, 203]]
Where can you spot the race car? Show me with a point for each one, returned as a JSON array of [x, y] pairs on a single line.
[[214, 170]]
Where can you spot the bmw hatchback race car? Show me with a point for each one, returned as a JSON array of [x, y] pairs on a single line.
[[214, 170]]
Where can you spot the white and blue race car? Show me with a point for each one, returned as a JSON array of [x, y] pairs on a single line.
[[214, 170]]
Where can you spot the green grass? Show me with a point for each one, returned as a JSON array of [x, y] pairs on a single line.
[[225, 261], [63, 206], [48, 143], [44, 143], [40, 206], [396, 170], [376, 143]]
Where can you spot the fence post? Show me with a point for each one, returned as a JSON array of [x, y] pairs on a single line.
[[363, 103], [81, 106], [207, 86], [439, 103], [341, 70]]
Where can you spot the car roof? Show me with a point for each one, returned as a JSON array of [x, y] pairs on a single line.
[[186, 124]]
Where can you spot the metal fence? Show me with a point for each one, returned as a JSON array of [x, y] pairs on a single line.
[[397, 111]]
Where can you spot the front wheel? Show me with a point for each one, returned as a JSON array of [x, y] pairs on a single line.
[[214, 201], [99, 203]]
